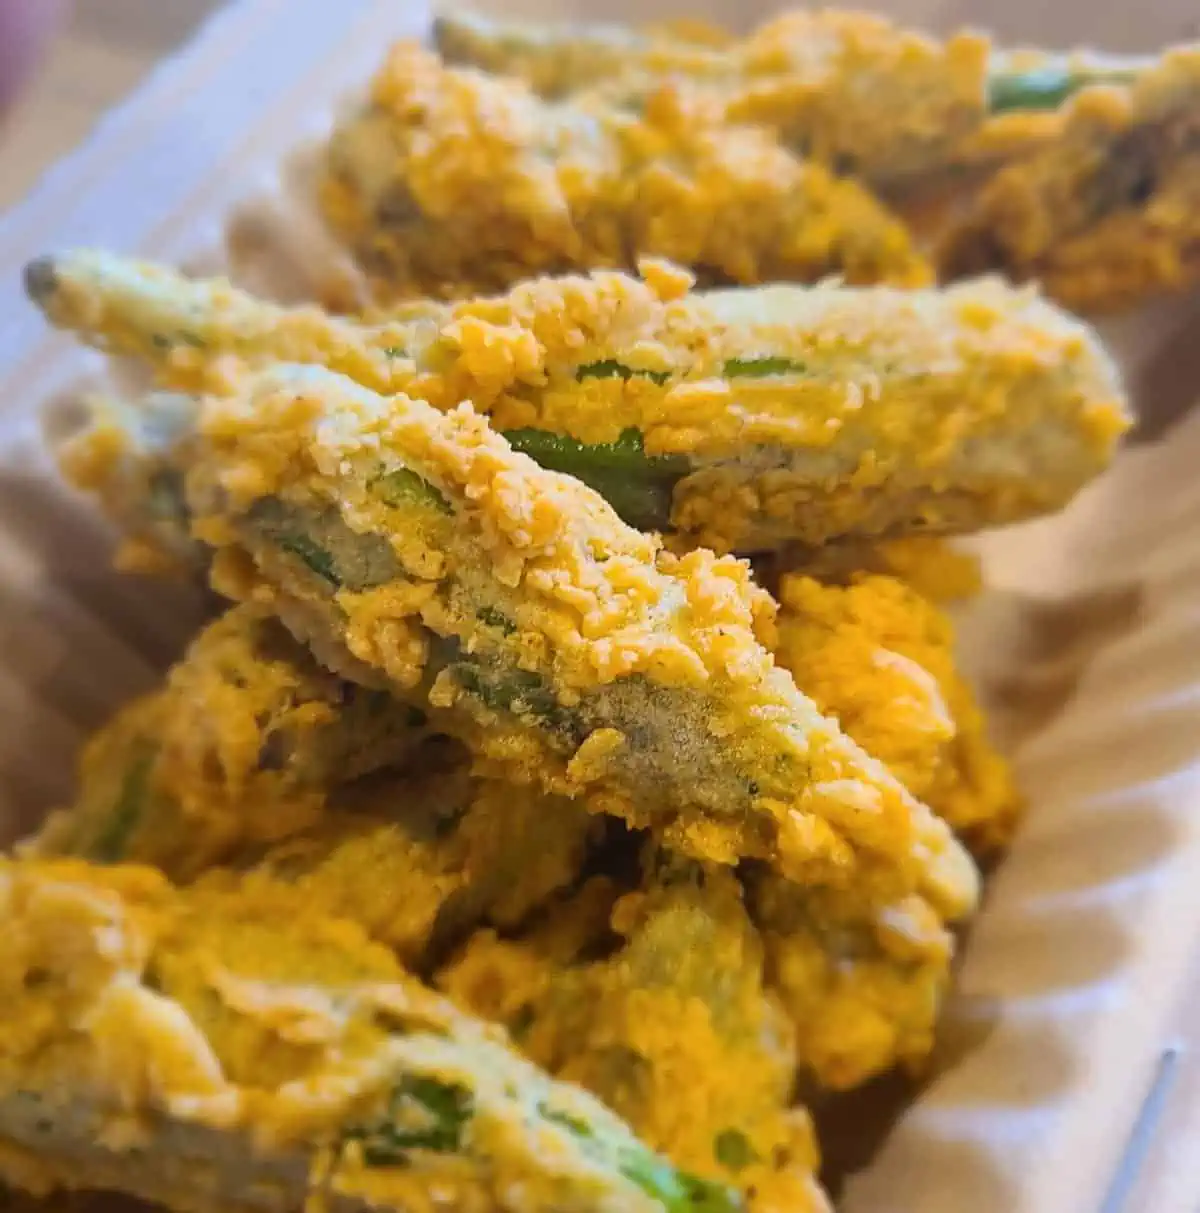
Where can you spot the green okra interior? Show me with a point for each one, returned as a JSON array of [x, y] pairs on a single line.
[[422, 1114], [112, 840], [638, 486], [1047, 85]]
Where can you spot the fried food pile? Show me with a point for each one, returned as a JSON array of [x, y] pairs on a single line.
[[578, 784], [823, 143]]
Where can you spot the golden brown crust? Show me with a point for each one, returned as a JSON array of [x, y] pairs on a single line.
[[1105, 213], [238, 750], [852, 89], [680, 1001], [453, 182], [654, 656], [270, 1031], [879, 658], [791, 414]]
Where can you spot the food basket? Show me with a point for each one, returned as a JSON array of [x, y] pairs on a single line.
[[1067, 1080]]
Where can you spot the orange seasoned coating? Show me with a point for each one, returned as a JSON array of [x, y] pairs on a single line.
[[1104, 214], [679, 1005], [751, 419], [256, 759], [862, 987], [934, 568], [566, 648], [879, 658], [419, 860], [937, 569], [851, 89], [191, 1046], [238, 749], [700, 989], [120, 456], [450, 182], [556, 63], [856, 90]]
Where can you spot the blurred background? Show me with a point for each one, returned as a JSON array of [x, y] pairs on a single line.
[[107, 47], [103, 50]]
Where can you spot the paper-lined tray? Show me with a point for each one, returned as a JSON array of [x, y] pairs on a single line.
[[1067, 1017]]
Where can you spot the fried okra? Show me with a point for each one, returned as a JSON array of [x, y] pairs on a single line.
[[420, 860], [238, 749], [208, 1048], [1105, 214], [417, 550], [680, 1003], [254, 758], [450, 182], [851, 89], [742, 420], [863, 987], [879, 658], [685, 979]]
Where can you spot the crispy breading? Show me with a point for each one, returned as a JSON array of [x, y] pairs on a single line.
[[451, 182], [238, 749], [879, 658], [558, 61], [237, 1047], [1105, 214], [938, 569], [562, 645], [849, 88], [741, 420], [680, 1004], [863, 987], [418, 552], [906, 112], [254, 759]]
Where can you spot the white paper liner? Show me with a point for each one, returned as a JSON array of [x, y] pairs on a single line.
[[1087, 644]]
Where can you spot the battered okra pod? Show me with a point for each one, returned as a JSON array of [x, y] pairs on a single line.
[[125, 465], [879, 658], [741, 419], [255, 758], [420, 860], [559, 644], [1105, 214], [863, 986], [235, 1047], [852, 89], [682, 993], [448, 181], [691, 980], [239, 749], [557, 61]]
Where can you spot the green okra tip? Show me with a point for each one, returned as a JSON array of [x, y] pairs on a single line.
[[41, 279]]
